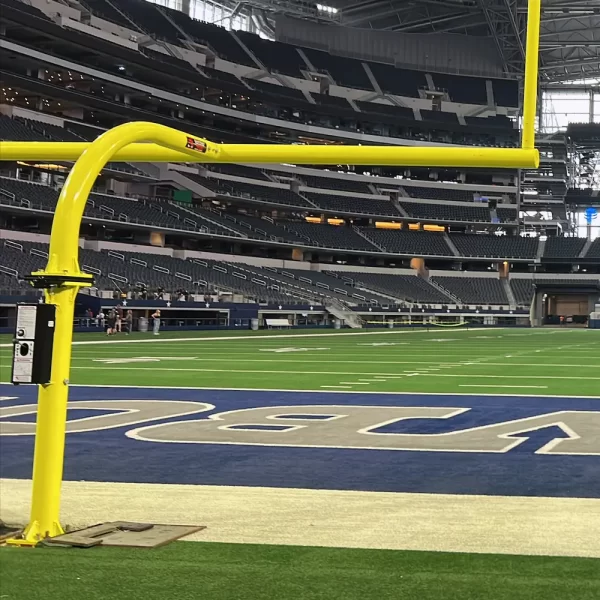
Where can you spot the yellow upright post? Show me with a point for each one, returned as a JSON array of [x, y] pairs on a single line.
[[531, 73], [51, 424], [62, 279]]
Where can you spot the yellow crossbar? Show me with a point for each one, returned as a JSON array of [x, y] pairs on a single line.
[[405, 156]]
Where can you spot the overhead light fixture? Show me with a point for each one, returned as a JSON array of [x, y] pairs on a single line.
[[327, 9]]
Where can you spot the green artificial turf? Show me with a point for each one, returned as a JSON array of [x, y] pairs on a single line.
[[194, 571], [479, 361], [486, 361]]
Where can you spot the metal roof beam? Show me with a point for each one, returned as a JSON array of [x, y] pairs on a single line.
[[591, 74], [576, 62], [430, 21], [511, 6], [506, 28]]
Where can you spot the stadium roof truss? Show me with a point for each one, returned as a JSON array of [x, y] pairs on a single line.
[[570, 29]]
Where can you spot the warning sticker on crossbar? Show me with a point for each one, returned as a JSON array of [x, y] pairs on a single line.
[[194, 144]]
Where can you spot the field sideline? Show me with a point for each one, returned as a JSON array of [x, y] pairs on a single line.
[[325, 521]]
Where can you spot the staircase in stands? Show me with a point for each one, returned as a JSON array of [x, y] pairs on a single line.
[[339, 310]]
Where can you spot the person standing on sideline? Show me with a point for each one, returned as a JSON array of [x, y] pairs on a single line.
[[156, 317], [119, 324], [112, 322], [101, 320], [128, 322]]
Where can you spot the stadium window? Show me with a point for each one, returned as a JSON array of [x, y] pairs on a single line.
[[173, 4], [209, 12], [582, 226], [596, 117], [561, 108]]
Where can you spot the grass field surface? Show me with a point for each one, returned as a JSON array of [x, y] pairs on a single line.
[[260, 572], [492, 362], [543, 362]]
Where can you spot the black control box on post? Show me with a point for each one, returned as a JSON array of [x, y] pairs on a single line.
[[33, 343]]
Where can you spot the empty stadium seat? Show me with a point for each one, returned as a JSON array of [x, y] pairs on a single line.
[[239, 171], [493, 122], [507, 215], [506, 92], [344, 71], [447, 212], [411, 243], [439, 116], [352, 204], [275, 90], [390, 110], [348, 183], [522, 290], [594, 249], [125, 270], [474, 290], [402, 82], [439, 193], [331, 236], [409, 288], [495, 246], [563, 247], [328, 100], [264, 193], [12, 129], [467, 90], [277, 57], [269, 229]]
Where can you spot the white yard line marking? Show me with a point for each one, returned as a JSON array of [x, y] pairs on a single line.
[[440, 365], [353, 383], [274, 338], [292, 349], [537, 387], [309, 391], [463, 376], [339, 387]]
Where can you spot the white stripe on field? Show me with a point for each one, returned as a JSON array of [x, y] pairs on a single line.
[[416, 372], [154, 340], [306, 391], [277, 359], [338, 387], [536, 387]]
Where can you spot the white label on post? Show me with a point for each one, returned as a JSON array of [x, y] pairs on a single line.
[[23, 362], [26, 318]]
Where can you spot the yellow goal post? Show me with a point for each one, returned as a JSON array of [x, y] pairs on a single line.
[[140, 141]]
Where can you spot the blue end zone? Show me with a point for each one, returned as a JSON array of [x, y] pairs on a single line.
[[109, 455]]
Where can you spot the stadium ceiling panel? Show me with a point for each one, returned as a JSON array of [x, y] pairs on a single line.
[[570, 31]]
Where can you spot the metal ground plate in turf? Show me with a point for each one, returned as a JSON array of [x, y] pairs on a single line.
[[124, 534], [7, 531]]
